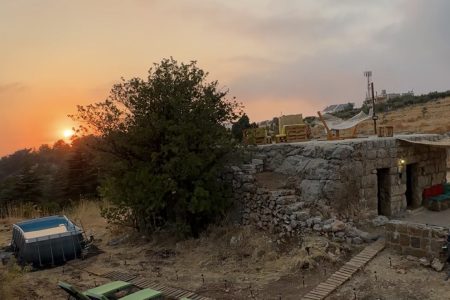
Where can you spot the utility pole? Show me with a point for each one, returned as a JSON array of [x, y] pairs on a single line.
[[374, 115], [368, 75]]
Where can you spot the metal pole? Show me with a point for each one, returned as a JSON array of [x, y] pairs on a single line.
[[374, 116], [51, 252], [39, 253]]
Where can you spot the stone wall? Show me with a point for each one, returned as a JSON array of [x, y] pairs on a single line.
[[345, 173], [418, 240], [326, 179], [283, 212]]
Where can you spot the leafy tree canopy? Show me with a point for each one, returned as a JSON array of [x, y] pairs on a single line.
[[164, 147], [238, 128]]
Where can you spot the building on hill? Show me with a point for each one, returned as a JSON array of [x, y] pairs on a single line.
[[337, 108], [384, 96]]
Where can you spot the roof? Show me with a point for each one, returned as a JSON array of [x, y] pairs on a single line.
[[443, 143], [108, 288], [144, 294]]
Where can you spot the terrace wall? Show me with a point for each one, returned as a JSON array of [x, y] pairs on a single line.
[[418, 240]]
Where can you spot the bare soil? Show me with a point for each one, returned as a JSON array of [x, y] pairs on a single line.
[[404, 279], [226, 263]]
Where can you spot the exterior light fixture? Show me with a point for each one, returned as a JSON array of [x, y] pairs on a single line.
[[401, 165]]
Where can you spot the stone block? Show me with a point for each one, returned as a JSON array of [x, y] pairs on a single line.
[[414, 252], [371, 154], [424, 181], [426, 232], [369, 181], [391, 227], [439, 233], [370, 193], [402, 227], [425, 244], [415, 242], [415, 231], [389, 237], [382, 153], [404, 240], [369, 166], [436, 246]]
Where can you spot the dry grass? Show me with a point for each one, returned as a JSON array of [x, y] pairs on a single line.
[[411, 119], [16, 212], [11, 277], [406, 120], [242, 255]]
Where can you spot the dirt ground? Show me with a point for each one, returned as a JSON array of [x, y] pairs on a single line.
[[425, 216], [405, 279], [230, 263], [226, 263]]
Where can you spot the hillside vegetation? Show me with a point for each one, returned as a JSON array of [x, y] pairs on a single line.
[[429, 117]]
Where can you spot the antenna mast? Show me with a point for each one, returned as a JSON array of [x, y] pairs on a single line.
[[368, 75]]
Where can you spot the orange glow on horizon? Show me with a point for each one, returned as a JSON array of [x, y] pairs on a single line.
[[68, 133]]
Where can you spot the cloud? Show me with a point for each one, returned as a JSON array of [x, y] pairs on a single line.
[[405, 44], [12, 87]]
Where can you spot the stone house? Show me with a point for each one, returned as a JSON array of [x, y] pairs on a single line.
[[383, 176]]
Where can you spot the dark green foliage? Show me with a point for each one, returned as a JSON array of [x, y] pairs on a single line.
[[408, 100], [82, 169], [275, 126], [424, 111], [50, 177], [237, 130], [164, 147], [348, 112]]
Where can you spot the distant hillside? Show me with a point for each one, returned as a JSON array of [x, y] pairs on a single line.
[[429, 117]]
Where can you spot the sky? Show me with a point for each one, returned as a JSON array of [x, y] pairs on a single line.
[[275, 56]]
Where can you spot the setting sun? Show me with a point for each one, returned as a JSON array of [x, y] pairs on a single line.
[[68, 133]]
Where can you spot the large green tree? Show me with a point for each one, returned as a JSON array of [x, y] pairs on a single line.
[[164, 146], [237, 130]]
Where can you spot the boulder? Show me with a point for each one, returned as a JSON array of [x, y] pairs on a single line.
[[317, 227], [357, 240], [437, 265], [337, 226], [425, 262], [327, 227], [301, 215], [380, 221]]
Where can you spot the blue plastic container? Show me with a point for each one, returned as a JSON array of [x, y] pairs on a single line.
[[47, 241]]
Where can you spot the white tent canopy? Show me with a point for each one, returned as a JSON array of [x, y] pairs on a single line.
[[335, 123]]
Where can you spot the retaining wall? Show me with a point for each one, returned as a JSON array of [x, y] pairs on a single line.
[[418, 240]]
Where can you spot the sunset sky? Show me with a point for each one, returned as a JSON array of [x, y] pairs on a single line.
[[274, 56]]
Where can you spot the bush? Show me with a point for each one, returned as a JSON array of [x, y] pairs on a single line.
[[164, 146]]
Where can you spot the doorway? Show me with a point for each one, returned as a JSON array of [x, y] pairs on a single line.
[[412, 198], [384, 203]]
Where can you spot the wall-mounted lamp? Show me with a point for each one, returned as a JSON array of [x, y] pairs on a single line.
[[401, 165]]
